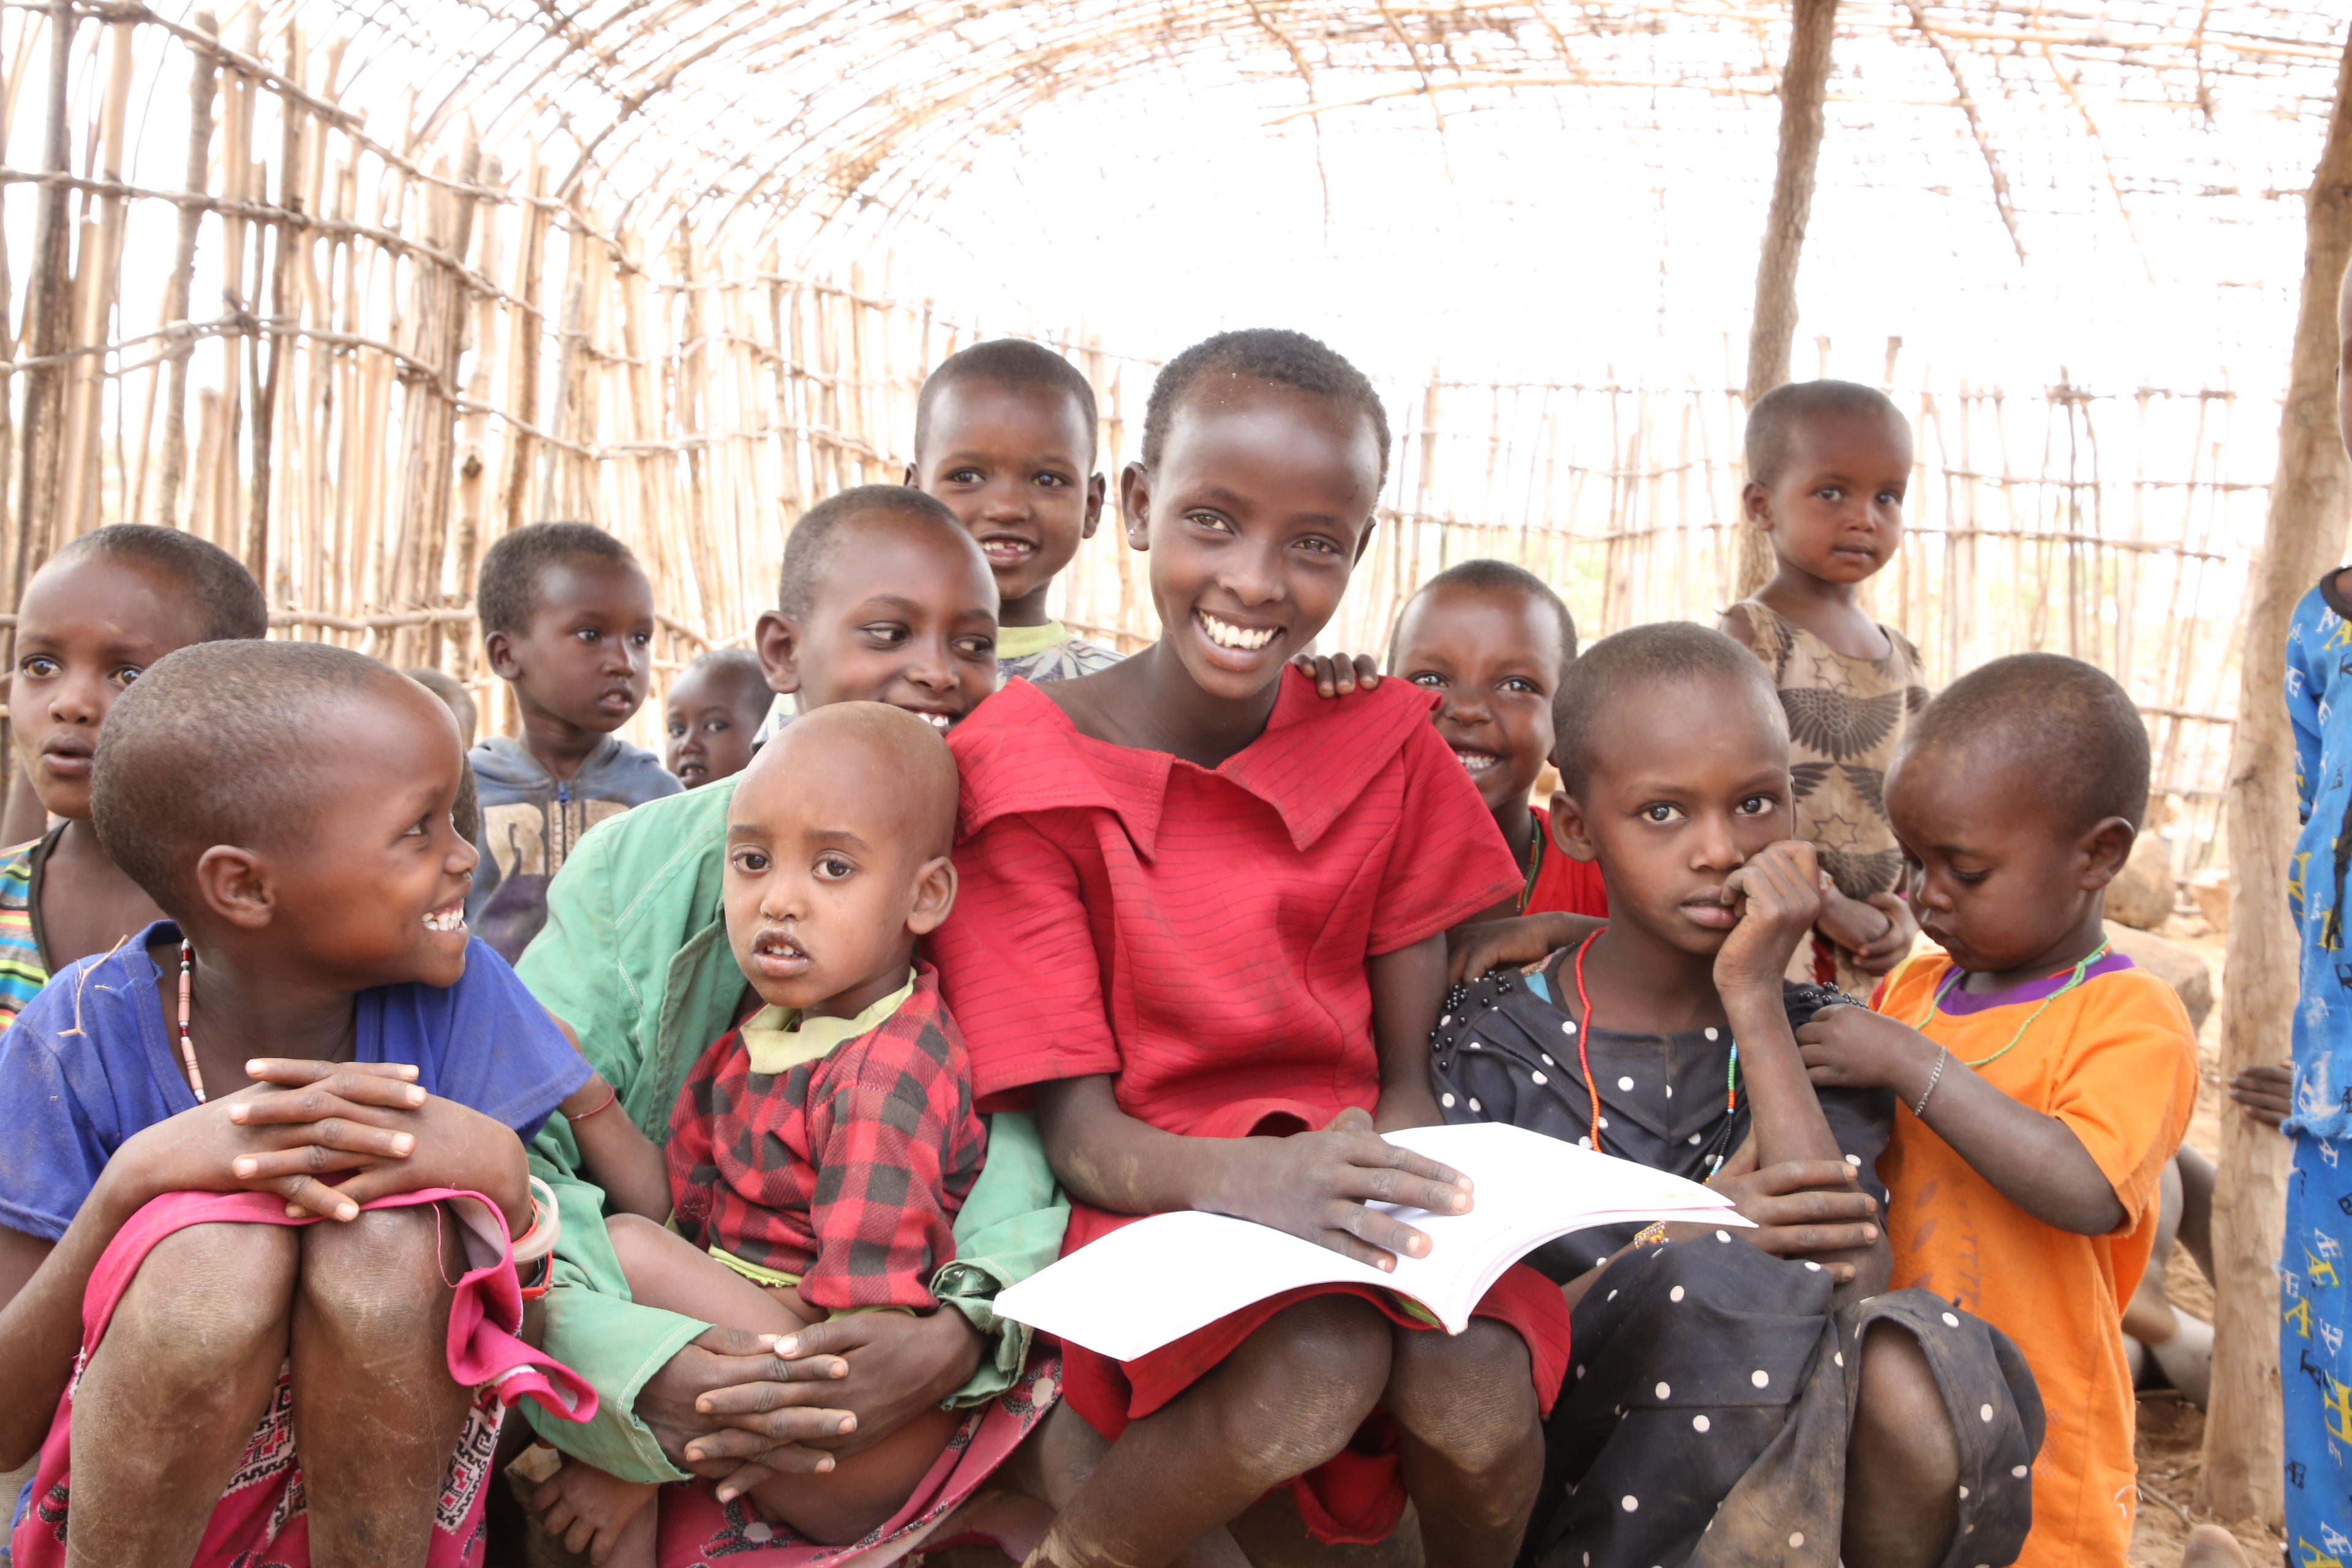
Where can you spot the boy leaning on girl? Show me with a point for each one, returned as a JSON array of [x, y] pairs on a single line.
[[636, 959]]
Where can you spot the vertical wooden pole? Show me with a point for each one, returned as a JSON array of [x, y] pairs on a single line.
[[204, 83], [1773, 328], [47, 316], [2303, 537]]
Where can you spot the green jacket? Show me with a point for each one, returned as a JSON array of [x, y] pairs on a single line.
[[634, 958]]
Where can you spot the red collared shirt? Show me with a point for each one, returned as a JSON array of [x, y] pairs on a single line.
[[1203, 933]]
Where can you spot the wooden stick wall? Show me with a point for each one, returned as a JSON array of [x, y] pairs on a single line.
[[356, 357]]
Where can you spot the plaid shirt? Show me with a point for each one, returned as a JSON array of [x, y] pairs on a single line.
[[848, 1169]]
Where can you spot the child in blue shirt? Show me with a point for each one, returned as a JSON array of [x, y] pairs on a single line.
[[311, 1035]]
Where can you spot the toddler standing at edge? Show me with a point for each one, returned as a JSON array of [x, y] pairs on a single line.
[[1828, 465]]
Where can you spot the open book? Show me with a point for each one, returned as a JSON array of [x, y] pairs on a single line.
[[1162, 1277]]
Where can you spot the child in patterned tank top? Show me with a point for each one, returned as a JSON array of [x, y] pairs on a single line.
[[1828, 464]]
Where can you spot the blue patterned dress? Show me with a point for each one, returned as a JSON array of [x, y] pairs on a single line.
[[2316, 1371]]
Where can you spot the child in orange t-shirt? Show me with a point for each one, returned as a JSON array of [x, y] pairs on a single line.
[[2045, 1081]]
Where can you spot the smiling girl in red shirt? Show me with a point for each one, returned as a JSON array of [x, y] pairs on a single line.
[[1202, 930]]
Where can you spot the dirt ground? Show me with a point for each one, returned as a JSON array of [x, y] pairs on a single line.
[[2172, 1433]]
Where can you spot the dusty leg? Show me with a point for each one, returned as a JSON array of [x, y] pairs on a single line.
[[1902, 1462], [376, 1412], [1046, 1472], [1288, 1399], [1474, 1450], [2196, 1173], [167, 1404], [2210, 1546]]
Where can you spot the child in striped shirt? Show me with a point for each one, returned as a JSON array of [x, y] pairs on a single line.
[[101, 610]]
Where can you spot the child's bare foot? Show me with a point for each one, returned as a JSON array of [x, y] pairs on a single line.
[[2210, 1546], [608, 1520]]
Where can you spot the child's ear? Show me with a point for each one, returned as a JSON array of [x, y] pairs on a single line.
[[1569, 832], [778, 642], [2104, 851], [935, 891], [1364, 539], [1135, 505], [1097, 491], [1755, 505], [499, 648], [910, 481], [233, 885]]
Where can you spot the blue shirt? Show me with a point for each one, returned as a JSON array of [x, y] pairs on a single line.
[[89, 1063], [2319, 704]]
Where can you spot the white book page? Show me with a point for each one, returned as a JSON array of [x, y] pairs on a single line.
[[1162, 1277]]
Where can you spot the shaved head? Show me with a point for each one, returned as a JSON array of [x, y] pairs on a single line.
[[908, 777]]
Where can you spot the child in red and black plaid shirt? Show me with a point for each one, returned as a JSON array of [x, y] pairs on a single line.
[[820, 1150]]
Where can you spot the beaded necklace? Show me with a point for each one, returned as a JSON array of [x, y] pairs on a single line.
[[1951, 979], [1535, 865], [1584, 1062], [188, 1047]]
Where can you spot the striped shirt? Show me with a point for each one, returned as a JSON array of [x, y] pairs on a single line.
[[22, 972]]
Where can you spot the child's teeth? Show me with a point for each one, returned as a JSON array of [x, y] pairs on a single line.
[[1224, 634]]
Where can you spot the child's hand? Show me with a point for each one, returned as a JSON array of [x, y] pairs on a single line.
[[587, 1510], [1854, 1047], [1317, 1185], [1800, 1207], [447, 1144], [1875, 934], [1472, 950], [1338, 673], [222, 1146], [1777, 898], [2267, 1093]]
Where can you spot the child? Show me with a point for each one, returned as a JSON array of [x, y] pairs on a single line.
[[1202, 928], [102, 609], [2044, 1082], [1494, 642], [2310, 1100], [713, 715], [1004, 434], [1708, 1419], [567, 621], [250, 1385], [882, 597], [821, 1150], [1828, 465]]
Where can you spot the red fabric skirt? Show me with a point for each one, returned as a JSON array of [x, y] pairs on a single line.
[[1358, 1496]]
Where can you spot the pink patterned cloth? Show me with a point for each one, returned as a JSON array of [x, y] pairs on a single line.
[[261, 1521]]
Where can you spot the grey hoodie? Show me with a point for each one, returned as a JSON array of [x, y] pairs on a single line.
[[532, 821]]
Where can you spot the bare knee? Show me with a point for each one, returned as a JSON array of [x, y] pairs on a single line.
[[206, 1298], [1900, 1410], [383, 1275], [1298, 1389], [638, 1244], [1470, 1396]]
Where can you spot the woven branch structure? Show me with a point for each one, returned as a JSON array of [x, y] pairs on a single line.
[[353, 289]]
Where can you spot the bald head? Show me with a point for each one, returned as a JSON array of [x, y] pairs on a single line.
[[863, 763]]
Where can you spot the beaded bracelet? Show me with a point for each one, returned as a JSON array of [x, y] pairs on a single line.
[[1654, 1235]]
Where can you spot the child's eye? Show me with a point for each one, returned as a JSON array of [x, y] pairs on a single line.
[[125, 675], [1319, 546], [1208, 520], [640, 639], [717, 726], [1054, 481], [40, 667], [977, 647], [750, 862], [1969, 878], [833, 868], [588, 633], [1430, 678], [964, 476], [1660, 811], [1831, 492], [889, 634], [420, 828], [1758, 804], [1890, 498], [1521, 683]]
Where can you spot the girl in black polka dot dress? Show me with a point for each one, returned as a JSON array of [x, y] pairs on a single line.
[[1737, 1396]]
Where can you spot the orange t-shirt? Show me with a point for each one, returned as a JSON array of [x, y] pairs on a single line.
[[2116, 1060]]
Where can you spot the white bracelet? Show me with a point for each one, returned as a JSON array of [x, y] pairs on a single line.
[[1943, 1055], [546, 1224]]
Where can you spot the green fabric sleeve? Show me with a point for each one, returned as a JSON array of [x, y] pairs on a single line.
[[594, 1327], [1010, 1227], [573, 969]]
